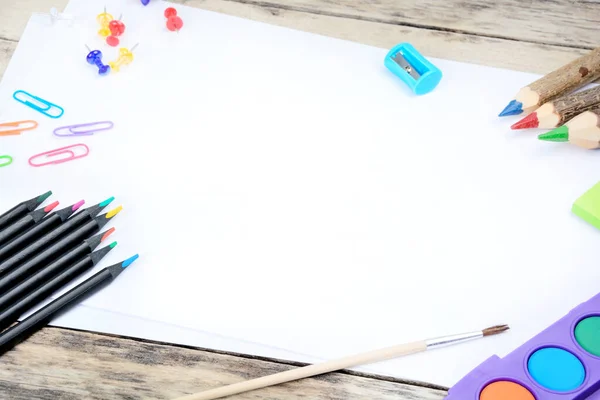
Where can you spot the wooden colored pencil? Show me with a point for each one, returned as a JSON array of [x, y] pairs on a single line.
[[560, 111], [343, 363], [21, 271], [582, 131], [48, 224], [557, 83], [84, 216], [21, 209], [39, 288], [26, 222], [34, 278], [21, 331]]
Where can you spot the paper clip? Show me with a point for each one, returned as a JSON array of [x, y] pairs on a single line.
[[18, 128], [45, 107], [7, 162], [72, 130], [58, 154]]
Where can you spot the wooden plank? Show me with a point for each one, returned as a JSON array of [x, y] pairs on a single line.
[[558, 22], [446, 45], [64, 364], [440, 44]]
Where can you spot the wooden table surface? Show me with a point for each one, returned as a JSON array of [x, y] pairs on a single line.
[[533, 36]]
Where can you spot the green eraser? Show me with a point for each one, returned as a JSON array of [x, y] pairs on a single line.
[[587, 207]]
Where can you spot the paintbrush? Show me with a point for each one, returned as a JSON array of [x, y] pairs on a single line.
[[344, 363]]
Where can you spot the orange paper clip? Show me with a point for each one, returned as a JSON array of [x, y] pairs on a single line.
[[17, 127], [58, 156]]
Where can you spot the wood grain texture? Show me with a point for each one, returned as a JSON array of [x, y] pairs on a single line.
[[558, 22], [568, 78], [503, 53], [570, 106], [63, 364]]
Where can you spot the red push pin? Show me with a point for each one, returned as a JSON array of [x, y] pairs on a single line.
[[174, 23], [117, 28]]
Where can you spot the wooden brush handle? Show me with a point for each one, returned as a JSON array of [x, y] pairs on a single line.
[[571, 106], [310, 370], [570, 77]]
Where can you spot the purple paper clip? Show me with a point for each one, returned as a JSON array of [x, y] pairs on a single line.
[[72, 130], [58, 156]]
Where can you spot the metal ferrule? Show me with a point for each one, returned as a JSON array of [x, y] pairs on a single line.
[[443, 341]]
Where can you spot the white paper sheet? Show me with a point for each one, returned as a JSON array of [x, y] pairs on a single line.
[[286, 189]]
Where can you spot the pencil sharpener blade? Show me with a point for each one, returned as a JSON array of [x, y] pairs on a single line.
[[404, 61]]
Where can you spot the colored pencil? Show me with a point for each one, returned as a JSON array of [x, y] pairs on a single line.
[[16, 273], [582, 131], [82, 217], [39, 275], [49, 223], [26, 222], [39, 289], [343, 363], [40, 318], [21, 209], [557, 112], [562, 81]]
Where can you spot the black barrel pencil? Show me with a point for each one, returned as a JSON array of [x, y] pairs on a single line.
[[21, 209], [26, 222], [82, 217], [21, 271], [39, 290], [49, 223], [43, 316], [34, 279]]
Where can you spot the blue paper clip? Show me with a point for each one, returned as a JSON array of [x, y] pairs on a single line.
[[409, 65], [38, 104]]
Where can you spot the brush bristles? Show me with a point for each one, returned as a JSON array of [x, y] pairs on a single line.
[[494, 330]]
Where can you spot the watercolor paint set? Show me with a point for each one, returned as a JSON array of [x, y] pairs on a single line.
[[560, 363]]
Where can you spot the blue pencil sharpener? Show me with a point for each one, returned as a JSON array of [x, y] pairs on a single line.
[[409, 65]]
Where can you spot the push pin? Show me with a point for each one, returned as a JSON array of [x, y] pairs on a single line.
[[412, 68], [125, 58], [145, 2], [117, 28], [174, 23], [104, 20], [94, 57]]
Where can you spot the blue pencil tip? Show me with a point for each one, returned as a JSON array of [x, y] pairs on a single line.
[[130, 260], [513, 108]]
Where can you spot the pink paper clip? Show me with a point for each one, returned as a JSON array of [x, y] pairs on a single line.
[[73, 130], [56, 156]]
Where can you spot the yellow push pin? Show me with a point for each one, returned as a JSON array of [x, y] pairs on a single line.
[[125, 58], [104, 19]]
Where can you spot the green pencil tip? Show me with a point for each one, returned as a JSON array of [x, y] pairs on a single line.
[[44, 196], [112, 245], [107, 202], [560, 134]]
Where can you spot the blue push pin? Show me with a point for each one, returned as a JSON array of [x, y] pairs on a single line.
[[145, 2], [94, 57], [412, 68]]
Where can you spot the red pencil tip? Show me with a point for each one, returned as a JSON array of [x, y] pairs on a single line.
[[50, 207], [530, 121], [107, 234]]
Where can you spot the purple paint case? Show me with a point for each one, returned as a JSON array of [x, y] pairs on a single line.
[[560, 363]]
